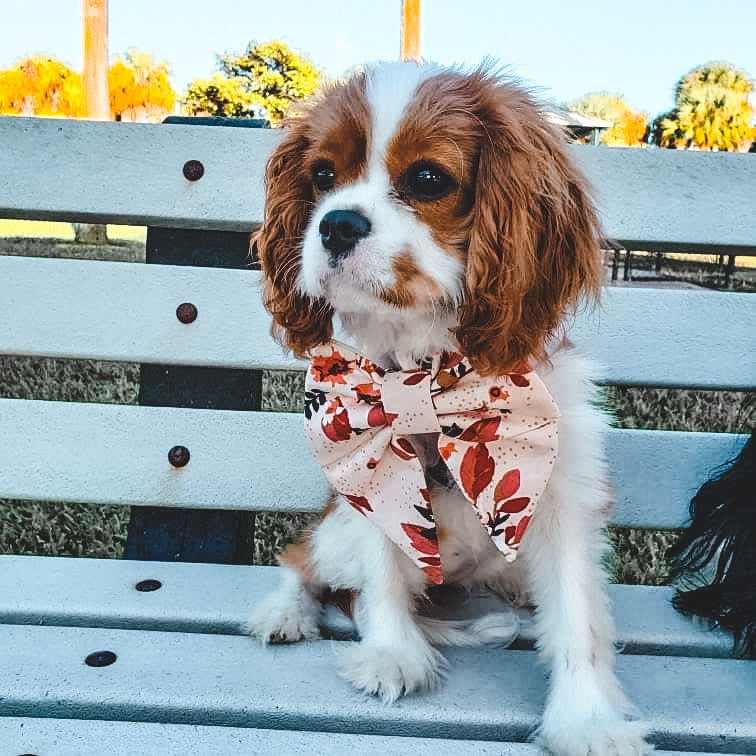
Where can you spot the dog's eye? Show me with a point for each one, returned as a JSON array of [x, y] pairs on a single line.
[[428, 182], [323, 176]]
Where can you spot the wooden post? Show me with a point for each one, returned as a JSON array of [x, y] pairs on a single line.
[[95, 78], [410, 36], [96, 92]]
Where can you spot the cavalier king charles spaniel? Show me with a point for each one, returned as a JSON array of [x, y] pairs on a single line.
[[433, 220]]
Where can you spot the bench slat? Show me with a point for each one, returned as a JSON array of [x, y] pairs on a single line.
[[122, 311], [69, 737], [656, 473], [127, 312], [132, 173], [219, 599], [643, 195], [118, 454], [674, 200], [209, 680]]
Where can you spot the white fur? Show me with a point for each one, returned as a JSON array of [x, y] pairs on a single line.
[[559, 562], [354, 287], [288, 615]]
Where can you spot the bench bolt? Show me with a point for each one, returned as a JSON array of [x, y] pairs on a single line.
[[193, 170], [178, 456], [147, 586], [100, 659], [186, 312]]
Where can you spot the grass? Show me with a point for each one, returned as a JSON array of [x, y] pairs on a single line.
[[73, 529]]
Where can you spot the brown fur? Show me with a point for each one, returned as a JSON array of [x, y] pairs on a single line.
[[334, 129], [534, 241], [519, 214]]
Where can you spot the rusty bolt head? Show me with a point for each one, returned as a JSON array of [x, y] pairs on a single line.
[[186, 312], [193, 170], [100, 659], [178, 456]]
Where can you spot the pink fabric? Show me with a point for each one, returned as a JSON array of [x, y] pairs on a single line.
[[497, 436]]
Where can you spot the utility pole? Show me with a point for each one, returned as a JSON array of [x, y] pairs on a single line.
[[410, 36], [96, 94]]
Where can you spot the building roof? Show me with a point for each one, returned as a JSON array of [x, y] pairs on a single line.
[[568, 118]]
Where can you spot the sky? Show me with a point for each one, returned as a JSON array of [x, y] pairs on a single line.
[[566, 48]]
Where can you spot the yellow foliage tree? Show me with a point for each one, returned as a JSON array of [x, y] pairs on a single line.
[[140, 89], [628, 127], [713, 110], [269, 76], [41, 86]]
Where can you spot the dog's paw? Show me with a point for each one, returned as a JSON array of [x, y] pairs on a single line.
[[600, 732], [389, 673], [285, 619]]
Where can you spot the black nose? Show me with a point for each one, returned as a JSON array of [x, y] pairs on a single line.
[[340, 230]]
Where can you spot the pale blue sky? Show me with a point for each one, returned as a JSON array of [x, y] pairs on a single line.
[[566, 47]]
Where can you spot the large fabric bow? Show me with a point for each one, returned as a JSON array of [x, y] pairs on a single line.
[[497, 436]]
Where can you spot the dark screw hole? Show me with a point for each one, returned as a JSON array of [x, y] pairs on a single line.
[[186, 312], [100, 659], [178, 456], [147, 586], [193, 170]]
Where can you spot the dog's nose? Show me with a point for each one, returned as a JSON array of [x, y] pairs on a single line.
[[340, 230]]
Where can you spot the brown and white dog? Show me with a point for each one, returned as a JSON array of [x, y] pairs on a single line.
[[415, 210]]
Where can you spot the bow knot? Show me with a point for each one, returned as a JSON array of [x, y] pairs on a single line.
[[497, 436]]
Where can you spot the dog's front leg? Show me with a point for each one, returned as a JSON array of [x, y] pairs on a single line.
[[586, 709], [393, 657]]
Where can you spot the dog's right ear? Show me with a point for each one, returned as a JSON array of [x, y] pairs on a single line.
[[299, 322]]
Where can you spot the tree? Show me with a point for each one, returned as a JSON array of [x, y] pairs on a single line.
[[628, 125], [712, 110], [267, 75], [41, 86], [140, 89]]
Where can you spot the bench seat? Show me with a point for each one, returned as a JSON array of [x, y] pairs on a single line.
[[126, 738], [182, 659], [203, 679]]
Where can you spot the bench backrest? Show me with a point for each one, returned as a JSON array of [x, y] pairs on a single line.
[[128, 173]]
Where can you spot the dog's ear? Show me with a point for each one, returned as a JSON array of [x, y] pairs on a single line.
[[299, 322], [534, 243]]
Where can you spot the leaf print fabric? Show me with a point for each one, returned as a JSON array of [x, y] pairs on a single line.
[[497, 437]]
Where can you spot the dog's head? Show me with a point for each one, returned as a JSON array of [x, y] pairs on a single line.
[[412, 189]]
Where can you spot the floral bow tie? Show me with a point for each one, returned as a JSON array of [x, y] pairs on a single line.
[[497, 437]]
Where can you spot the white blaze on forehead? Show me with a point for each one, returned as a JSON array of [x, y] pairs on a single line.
[[390, 89]]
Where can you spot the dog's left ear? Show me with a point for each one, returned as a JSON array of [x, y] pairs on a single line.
[[534, 244]]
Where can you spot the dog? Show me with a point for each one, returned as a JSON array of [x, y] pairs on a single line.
[[433, 220]]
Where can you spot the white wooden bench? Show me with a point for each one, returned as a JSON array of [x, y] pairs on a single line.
[[185, 679]]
